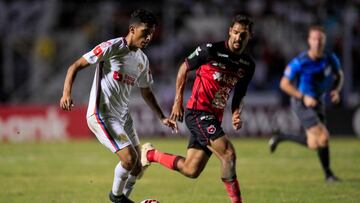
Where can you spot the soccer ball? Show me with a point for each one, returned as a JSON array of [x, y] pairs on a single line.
[[149, 201]]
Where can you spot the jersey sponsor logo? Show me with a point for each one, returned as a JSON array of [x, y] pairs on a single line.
[[211, 129], [222, 55], [226, 78], [221, 96], [195, 53], [105, 44], [220, 65], [98, 51], [207, 117], [124, 78], [244, 62]]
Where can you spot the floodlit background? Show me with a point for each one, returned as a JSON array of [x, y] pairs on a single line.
[[40, 39], [48, 155]]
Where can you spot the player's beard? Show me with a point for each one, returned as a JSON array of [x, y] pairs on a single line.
[[237, 46]]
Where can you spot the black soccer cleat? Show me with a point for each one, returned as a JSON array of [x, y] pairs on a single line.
[[119, 199], [332, 179], [273, 143]]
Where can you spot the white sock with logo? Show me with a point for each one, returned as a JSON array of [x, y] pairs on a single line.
[[129, 185], [120, 177]]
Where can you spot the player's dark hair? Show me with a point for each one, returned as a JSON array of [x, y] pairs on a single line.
[[243, 20], [143, 16]]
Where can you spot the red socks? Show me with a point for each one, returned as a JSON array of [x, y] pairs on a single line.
[[233, 190], [167, 160]]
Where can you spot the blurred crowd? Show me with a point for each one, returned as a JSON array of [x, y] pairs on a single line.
[[40, 39]]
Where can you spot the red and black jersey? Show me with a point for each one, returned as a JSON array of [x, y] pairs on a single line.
[[218, 71]]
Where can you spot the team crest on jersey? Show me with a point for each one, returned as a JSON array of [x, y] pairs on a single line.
[[217, 76], [140, 67], [241, 73], [123, 138], [211, 129]]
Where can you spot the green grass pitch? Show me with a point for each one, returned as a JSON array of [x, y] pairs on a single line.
[[82, 171]]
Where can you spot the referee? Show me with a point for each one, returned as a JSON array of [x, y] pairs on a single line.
[[307, 79]]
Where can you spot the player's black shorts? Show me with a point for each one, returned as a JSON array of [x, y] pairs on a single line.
[[203, 126], [308, 116]]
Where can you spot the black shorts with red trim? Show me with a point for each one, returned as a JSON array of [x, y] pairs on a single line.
[[203, 126]]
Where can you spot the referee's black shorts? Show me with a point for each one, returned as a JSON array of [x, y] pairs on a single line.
[[203, 126], [309, 116]]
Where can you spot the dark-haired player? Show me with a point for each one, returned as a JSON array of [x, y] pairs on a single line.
[[220, 67], [121, 64], [316, 72]]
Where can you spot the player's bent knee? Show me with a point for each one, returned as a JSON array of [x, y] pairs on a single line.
[[130, 162], [229, 156], [137, 168], [312, 144], [191, 172], [323, 141]]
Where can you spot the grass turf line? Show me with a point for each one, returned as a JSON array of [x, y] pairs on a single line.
[[82, 171]]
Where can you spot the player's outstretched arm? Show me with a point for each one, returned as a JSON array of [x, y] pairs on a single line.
[[177, 112], [150, 100], [66, 101]]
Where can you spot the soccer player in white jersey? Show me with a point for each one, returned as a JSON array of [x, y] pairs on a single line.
[[121, 64]]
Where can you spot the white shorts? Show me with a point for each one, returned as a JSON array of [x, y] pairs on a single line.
[[113, 133]]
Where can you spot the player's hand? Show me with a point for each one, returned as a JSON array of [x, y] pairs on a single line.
[[335, 96], [171, 124], [66, 102], [236, 120], [177, 113], [309, 101]]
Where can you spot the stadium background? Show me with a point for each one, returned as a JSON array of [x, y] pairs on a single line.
[[43, 159], [40, 39]]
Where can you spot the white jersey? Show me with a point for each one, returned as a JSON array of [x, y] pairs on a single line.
[[118, 70]]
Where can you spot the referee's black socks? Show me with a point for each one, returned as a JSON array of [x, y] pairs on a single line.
[[324, 156]]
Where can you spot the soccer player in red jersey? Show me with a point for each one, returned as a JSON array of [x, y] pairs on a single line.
[[220, 67]]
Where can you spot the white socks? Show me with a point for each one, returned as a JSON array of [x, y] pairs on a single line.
[[129, 185], [123, 181], [120, 177]]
